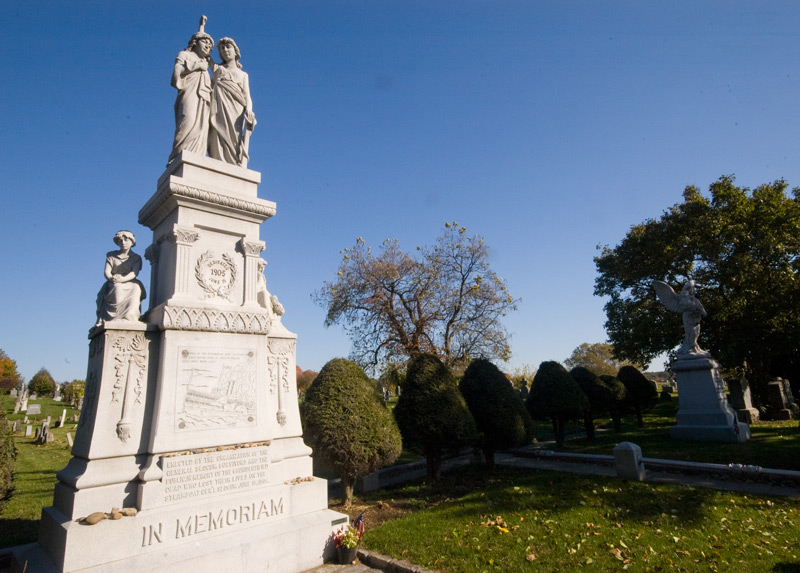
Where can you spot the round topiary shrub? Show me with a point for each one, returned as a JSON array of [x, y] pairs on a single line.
[[347, 423], [555, 395], [499, 414], [620, 396], [642, 393], [432, 414]]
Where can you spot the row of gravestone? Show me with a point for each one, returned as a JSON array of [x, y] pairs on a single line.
[[780, 401], [42, 435]]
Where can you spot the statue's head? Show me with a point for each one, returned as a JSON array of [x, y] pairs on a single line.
[[127, 234], [688, 288], [224, 42], [204, 40]]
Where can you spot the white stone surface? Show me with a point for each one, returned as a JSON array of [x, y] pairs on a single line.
[[191, 414], [704, 414], [628, 461]]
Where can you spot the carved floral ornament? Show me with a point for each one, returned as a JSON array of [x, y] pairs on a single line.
[[216, 275]]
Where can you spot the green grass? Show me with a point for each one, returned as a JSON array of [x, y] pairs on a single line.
[[773, 445], [34, 474], [519, 519]]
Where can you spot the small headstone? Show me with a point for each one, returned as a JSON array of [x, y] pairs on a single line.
[[69, 439], [33, 396], [777, 401], [17, 407], [63, 415], [28, 431], [17, 426], [35, 410], [26, 420], [741, 401], [49, 421], [628, 459], [36, 434], [13, 393]]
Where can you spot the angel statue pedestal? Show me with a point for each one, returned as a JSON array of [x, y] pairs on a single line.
[[704, 414]]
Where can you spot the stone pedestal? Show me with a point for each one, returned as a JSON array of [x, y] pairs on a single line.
[[190, 416], [704, 414]]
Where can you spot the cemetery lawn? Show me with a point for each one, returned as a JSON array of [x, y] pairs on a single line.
[[35, 472], [773, 445], [516, 520]]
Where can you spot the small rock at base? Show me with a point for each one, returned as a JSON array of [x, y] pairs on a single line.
[[94, 518]]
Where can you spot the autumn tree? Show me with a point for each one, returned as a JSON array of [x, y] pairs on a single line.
[[443, 300], [73, 391], [499, 414], [347, 423], [742, 247], [432, 414], [9, 375], [305, 378], [42, 383], [598, 357]]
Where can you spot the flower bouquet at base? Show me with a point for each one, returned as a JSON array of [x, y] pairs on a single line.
[[347, 538]]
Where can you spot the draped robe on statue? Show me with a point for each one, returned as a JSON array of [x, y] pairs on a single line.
[[121, 301], [191, 106], [228, 106]]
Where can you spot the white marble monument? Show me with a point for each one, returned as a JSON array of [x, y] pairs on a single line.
[[189, 453], [704, 414]]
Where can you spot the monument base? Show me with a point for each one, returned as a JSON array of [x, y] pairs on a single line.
[[276, 529], [704, 414]]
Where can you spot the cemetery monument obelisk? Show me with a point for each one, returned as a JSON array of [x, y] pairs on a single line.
[[189, 453], [704, 414]]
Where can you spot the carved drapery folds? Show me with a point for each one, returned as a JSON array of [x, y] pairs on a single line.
[[278, 364]]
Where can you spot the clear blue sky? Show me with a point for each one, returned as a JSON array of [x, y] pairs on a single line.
[[546, 127]]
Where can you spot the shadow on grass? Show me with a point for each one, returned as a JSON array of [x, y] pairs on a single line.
[[18, 532], [513, 490], [786, 568]]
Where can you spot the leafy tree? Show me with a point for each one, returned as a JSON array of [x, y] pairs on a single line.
[[348, 425], [432, 414], [9, 375], [641, 392], [555, 395], [499, 413], [525, 373], [601, 396], [620, 394], [42, 383], [73, 391], [597, 357], [742, 247], [305, 378], [8, 456], [445, 300]]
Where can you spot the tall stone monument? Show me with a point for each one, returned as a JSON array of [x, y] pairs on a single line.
[[189, 453], [704, 414]]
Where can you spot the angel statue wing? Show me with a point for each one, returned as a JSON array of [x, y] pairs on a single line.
[[667, 296]]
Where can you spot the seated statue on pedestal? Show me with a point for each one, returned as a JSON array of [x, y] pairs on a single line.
[[121, 295]]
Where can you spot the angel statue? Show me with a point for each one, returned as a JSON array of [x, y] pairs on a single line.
[[693, 312]]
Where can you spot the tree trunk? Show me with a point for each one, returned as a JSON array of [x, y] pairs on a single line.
[[488, 453], [588, 424], [347, 491], [617, 419], [639, 421], [560, 432], [433, 466]]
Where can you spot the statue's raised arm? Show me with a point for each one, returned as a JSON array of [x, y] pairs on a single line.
[[193, 104], [693, 312]]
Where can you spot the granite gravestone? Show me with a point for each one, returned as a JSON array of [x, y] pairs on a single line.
[[704, 414], [741, 400], [190, 423]]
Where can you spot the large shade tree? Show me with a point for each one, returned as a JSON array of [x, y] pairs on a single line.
[[9, 375], [443, 300], [598, 357], [742, 247], [347, 423]]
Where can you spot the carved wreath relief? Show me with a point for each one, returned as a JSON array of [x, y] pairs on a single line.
[[216, 275]]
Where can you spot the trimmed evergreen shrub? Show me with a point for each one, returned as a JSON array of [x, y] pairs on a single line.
[[499, 414], [42, 383], [8, 457], [620, 395], [432, 414], [555, 395], [642, 394], [347, 423]]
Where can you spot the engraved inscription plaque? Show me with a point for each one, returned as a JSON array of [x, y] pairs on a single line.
[[216, 389], [213, 473]]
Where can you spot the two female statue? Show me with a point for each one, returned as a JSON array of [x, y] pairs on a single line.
[[212, 115]]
